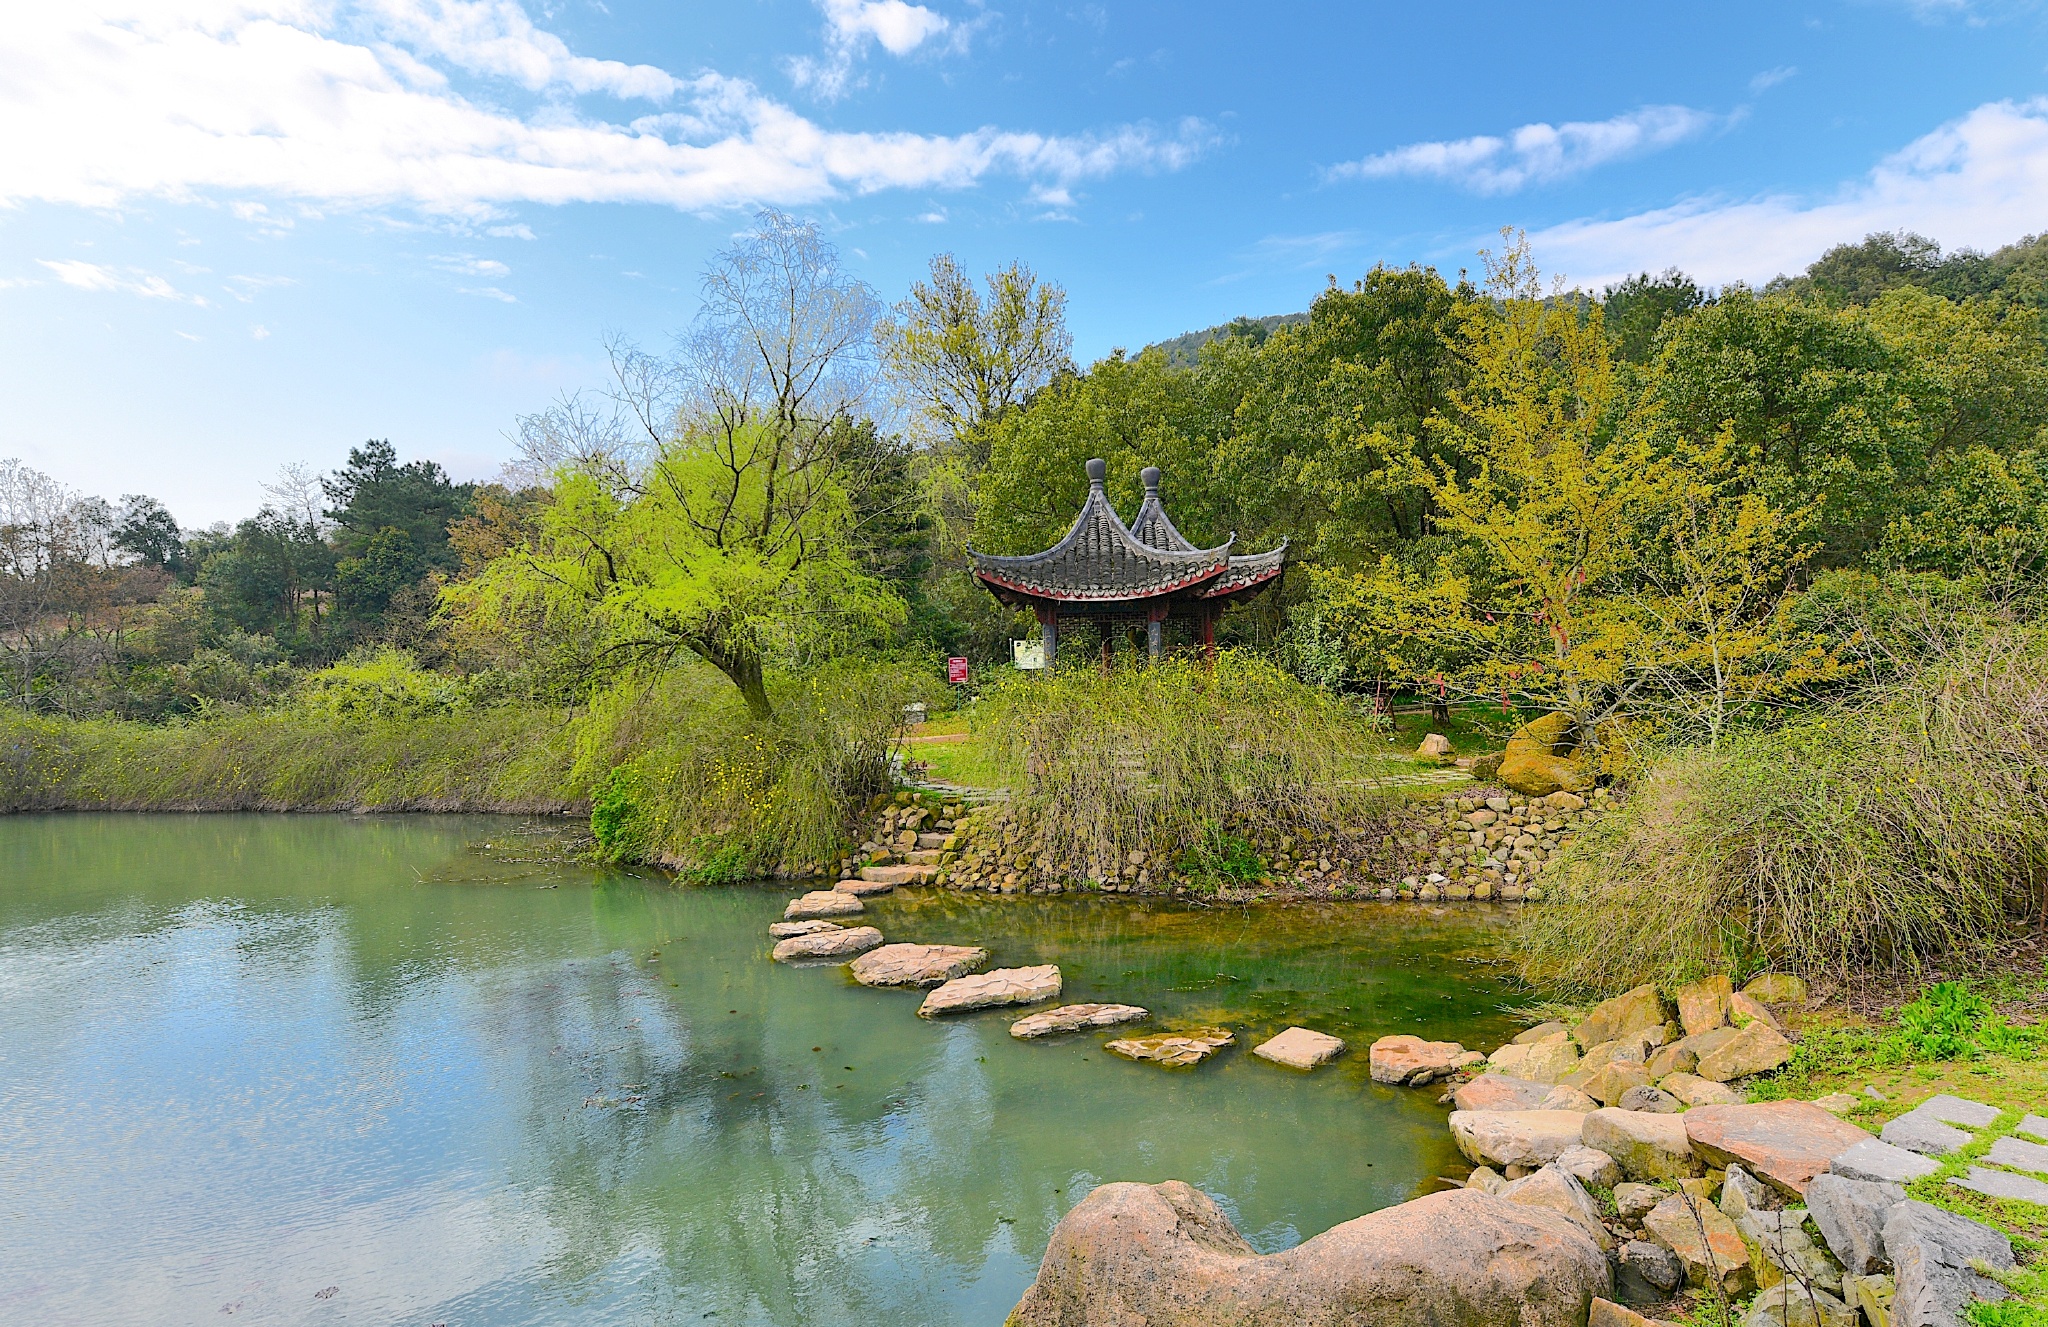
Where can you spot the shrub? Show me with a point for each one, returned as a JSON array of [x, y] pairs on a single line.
[[618, 821], [1868, 835], [1174, 759], [1952, 1022]]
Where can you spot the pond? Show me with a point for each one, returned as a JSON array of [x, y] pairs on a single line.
[[330, 1069]]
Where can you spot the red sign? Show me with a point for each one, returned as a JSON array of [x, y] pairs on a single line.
[[956, 671]]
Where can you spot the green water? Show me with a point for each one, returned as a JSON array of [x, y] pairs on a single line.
[[321, 1069]]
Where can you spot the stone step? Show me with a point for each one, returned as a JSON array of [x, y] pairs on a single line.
[[897, 875], [922, 857]]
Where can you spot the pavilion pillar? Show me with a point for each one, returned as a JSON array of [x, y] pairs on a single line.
[[1209, 634], [1108, 647], [1049, 632], [1155, 624]]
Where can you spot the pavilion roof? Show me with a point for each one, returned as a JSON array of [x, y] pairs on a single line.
[[1101, 559]]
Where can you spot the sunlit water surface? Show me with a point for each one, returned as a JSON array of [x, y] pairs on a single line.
[[311, 1069]]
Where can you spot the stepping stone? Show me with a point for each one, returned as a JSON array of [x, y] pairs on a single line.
[[2020, 1156], [2034, 1125], [1882, 1163], [835, 943], [916, 965], [1492, 1091], [1784, 1143], [986, 990], [1074, 1017], [1956, 1110], [1173, 1049], [1407, 1060], [865, 888], [784, 930], [2003, 1184], [822, 903], [1924, 1134], [1300, 1048], [898, 875]]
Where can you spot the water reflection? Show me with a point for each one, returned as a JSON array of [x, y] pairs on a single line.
[[250, 1059]]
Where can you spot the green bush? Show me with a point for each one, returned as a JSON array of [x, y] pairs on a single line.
[[618, 821], [1868, 835], [1218, 857], [1952, 1022]]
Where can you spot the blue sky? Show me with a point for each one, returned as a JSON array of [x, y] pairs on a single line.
[[240, 233]]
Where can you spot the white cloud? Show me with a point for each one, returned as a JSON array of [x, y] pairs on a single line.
[[259, 332], [1979, 181], [1770, 78], [1535, 153], [468, 264], [329, 102], [489, 292], [850, 26], [92, 276]]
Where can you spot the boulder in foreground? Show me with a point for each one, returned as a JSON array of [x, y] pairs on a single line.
[[1175, 1050], [1074, 1017], [1529, 1138], [916, 965], [1165, 1255], [987, 990]]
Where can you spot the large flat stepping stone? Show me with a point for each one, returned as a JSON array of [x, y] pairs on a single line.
[[893, 876], [836, 943], [1300, 1048], [1173, 1049], [1956, 1110], [822, 903], [1491, 1091], [917, 965], [864, 888], [1411, 1061], [2034, 1125], [1924, 1134], [987, 990], [1784, 1143], [2003, 1184], [1529, 1138], [2021, 1156], [1881, 1163], [784, 930], [1075, 1017]]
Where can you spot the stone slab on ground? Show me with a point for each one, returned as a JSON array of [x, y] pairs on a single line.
[[1647, 1147], [898, 875], [1932, 1252], [1165, 1255], [1924, 1134], [840, 942], [1783, 1143], [2021, 1156], [1881, 1162], [1678, 1222], [1491, 1091], [1530, 1138], [2034, 1125], [988, 990], [822, 903], [1175, 1050], [867, 888], [1956, 1110], [784, 930], [2003, 1184], [1411, 1061], [1851, 1216], [917, 965], [1075, 1017], [1303, 1048]]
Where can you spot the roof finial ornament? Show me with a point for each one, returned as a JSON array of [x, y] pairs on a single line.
[[1150, 474], [1097, 470]]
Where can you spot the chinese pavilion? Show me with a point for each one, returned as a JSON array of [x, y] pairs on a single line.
[[1109, 572]]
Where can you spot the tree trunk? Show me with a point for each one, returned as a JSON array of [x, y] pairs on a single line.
[[743, 666]]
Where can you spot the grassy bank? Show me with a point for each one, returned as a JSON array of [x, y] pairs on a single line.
[[675, 768], [1864, 839]]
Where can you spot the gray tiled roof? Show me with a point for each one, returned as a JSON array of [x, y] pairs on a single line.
[[1101, 558]]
